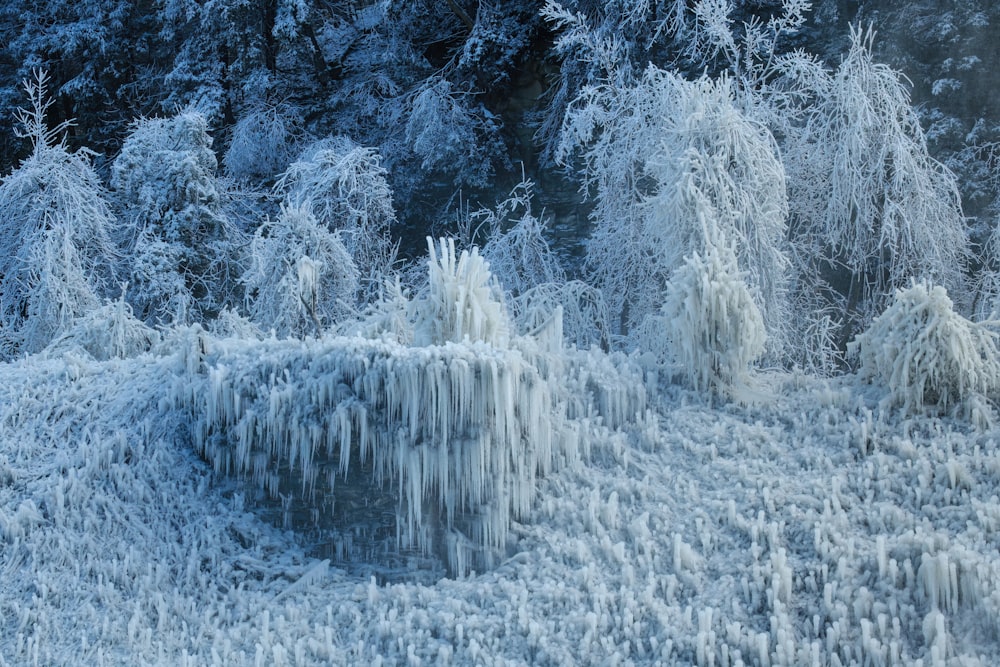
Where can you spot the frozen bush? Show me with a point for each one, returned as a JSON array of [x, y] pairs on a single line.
[[108, 332], [300, 278], [517, 249], [584, 313], [462, 302], [56, 254], [711, 317], [926, 354]]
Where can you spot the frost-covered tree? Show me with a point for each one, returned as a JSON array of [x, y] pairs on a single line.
[[874, 208], [669, 162], [56, 252], [300, 279], [604, 43], [345, 186], [178, 237], [262, 143], [444, 130]]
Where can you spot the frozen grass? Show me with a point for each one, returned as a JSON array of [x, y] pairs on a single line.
[[811, 530]]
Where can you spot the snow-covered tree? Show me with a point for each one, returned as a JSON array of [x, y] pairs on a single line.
[[866, 197], [445, 130], [345, 186], [300, 279], [178, 237], [56, 252]]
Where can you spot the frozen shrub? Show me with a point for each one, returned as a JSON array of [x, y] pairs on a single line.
[[56, 253], [712, 319], [346, 187], [584, 313], [108, 332], [517, 249], [300, 278], [926, 354], [388, 317], [462, 301], [180, 241]]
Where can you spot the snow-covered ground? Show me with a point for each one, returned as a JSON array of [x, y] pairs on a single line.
[[809, 528]]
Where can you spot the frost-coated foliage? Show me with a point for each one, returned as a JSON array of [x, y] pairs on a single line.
[[263, 143], [445, 133], [864, 186], [715, 327], [345, 184], [517, 248], [300, 279], [926, 354], [56, 252], [462, 301], [179, 241], [671, 161], [585, 319], [108, 332]]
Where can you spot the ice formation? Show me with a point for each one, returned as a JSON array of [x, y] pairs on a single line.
[[461, 427], [716, 328], [457, 427]]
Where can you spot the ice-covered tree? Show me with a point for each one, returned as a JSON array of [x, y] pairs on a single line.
[[300, 279], [714, 325], [866, 197], [668, 161], [178, 237], [56, 252], [345, 186]]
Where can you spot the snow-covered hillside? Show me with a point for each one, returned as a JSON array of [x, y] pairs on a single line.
[[811, 527]]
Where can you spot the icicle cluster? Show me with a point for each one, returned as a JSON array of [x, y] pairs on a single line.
[[460, 429], [461, 302], [454, 427]]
